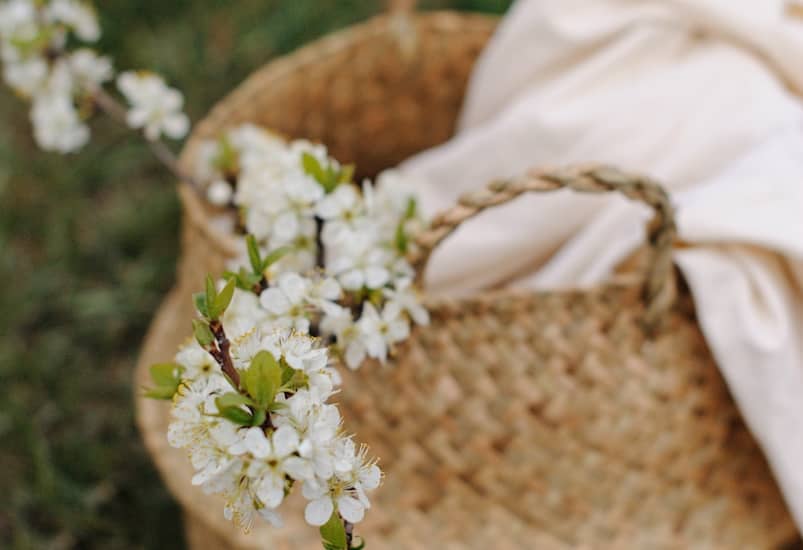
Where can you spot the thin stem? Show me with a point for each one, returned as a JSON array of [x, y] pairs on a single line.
[[349, 527], [161, 151], [320, 258], [222, 352]]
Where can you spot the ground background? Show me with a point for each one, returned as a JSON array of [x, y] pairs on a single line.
[[87, 250]]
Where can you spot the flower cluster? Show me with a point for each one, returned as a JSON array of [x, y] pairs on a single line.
[[322, 271], [253, 415], [298, 202], [33, 39], [254, 446], [64, 83]]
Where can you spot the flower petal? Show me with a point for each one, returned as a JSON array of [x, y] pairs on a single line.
[[370, 477], [285, 440], [256, 442], [350, 508], [274, 301], [319, 511]]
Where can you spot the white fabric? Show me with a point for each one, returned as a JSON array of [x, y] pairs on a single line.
[[701, 94]]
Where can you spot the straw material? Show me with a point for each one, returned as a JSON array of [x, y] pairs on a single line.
[[576, 419]]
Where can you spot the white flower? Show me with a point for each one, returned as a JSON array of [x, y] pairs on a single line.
[[18, 18], [78, 16], [243, 314], [193, 403], [57, 126], [405, 298], [288, 300], [355, 469], [89, 69], [197, 362], [324, 292], [391, 195], [274, 461], [26, 77], [317, 425], [359, 263], [380, 332], [219, 193], [338, 321], [155, 107], [296, 216], [346, 490], [343, 211], [298, 350]]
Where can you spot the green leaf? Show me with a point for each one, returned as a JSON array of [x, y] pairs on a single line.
[[277, 406], [226, 160], [230, 407], [331, 179], [167, 377], [263, 378], [203, 335], [160, 392], [232, 399], [211, 295], [224, 298], [412, 208], [259, 417], [346, 174], [237, 415], [401, 238], [166, 374], [313, 167], [298, 379], [253, 254], [287, 372], [274, 257], [333, 534], [244, 280], [199, 299]]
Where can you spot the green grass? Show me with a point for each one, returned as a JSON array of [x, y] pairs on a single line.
[[88, 245]]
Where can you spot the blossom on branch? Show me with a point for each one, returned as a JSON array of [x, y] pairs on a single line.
[[156, 108]]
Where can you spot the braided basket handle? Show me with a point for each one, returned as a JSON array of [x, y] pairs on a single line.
[[659, 288]]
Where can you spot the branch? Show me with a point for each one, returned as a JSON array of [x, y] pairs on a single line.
[[222, 352], [349, 527], [117, 112]]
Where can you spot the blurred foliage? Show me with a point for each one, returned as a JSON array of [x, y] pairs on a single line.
[[88, 245]]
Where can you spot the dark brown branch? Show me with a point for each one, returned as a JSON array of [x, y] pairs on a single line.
[[349, 527], [260, 286], [222, 354], [320, 258]]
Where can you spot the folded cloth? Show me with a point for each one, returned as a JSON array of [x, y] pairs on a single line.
[[704, 95]]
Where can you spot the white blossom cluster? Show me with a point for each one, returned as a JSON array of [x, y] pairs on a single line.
[[254, 467], [294, 197], [62, 82], [33, 38], [323, 270]]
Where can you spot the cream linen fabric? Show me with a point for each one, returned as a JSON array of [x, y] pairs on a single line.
[[703, 95]]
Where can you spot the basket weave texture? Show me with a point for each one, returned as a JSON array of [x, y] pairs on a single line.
[[574, 419]]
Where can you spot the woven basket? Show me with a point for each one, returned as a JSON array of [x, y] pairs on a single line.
[[592, 418]]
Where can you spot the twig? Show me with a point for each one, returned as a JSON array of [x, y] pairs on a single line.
[[117, 112], [349, 527], [222, 352]]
